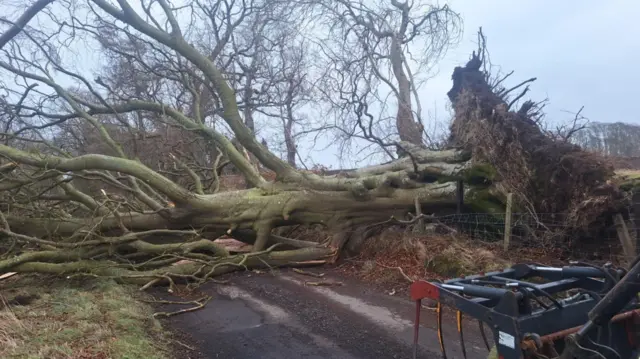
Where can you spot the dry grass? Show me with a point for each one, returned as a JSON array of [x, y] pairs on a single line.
[[432, 256], [54, 319], [421, 256]]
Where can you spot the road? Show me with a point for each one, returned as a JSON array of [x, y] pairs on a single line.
[[275, 315]]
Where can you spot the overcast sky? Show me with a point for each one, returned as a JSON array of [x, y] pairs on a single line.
[[582, 52]]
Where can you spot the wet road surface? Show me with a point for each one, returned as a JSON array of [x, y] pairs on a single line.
[[275, 315]]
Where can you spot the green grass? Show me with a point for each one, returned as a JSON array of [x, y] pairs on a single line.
[[76, 319], [628, 180]]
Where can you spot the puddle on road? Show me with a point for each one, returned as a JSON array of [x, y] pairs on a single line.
[[378, 314]]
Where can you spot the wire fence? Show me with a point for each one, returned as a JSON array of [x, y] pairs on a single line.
[[543, 231]]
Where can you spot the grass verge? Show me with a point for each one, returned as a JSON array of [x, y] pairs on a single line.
[[53, 318]]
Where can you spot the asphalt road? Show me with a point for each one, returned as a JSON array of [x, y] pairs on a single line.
[[275, 315]]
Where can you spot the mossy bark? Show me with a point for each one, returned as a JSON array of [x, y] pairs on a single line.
[[193, 270]]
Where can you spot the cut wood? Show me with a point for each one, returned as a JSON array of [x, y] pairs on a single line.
[[7, 275]]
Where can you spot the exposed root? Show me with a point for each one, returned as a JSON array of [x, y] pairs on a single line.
[[545, 174]]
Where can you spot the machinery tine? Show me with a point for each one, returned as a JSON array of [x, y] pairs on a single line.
[[459, 320], [416, 328], [439, 327], [484, 335]]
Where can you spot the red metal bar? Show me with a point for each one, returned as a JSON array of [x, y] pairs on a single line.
[[563, 333], [421, 289]]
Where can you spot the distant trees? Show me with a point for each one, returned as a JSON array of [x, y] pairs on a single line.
[[611, 139]]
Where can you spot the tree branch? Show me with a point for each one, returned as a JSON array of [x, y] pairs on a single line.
[[23, 20]]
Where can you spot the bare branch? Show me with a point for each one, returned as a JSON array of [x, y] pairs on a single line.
[[23, 20]]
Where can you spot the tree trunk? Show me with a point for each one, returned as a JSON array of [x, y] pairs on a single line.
[[408, 129], [288, 138], [365, 197]]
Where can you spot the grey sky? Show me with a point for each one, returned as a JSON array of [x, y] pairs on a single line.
[[582, 52]]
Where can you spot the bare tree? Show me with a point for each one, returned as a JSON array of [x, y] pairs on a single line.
[[610, 139], [291, 87], [378, 50]]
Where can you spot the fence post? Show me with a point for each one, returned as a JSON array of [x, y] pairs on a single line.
[[625, 239], [459, 196], [507, 222]]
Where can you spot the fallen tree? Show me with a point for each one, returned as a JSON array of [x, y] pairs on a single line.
[[117, 230]]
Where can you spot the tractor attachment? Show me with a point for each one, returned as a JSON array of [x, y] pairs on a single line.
[[535, 311]]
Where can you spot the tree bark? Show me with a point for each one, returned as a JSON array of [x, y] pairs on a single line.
[[409, 129]]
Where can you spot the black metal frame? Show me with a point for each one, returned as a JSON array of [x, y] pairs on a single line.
[[511, 305]]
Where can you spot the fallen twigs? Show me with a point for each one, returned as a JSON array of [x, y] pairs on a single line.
[[198, 304], [303, 272], [324, 284], [414, 219], [400, 270], [192, 270]]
